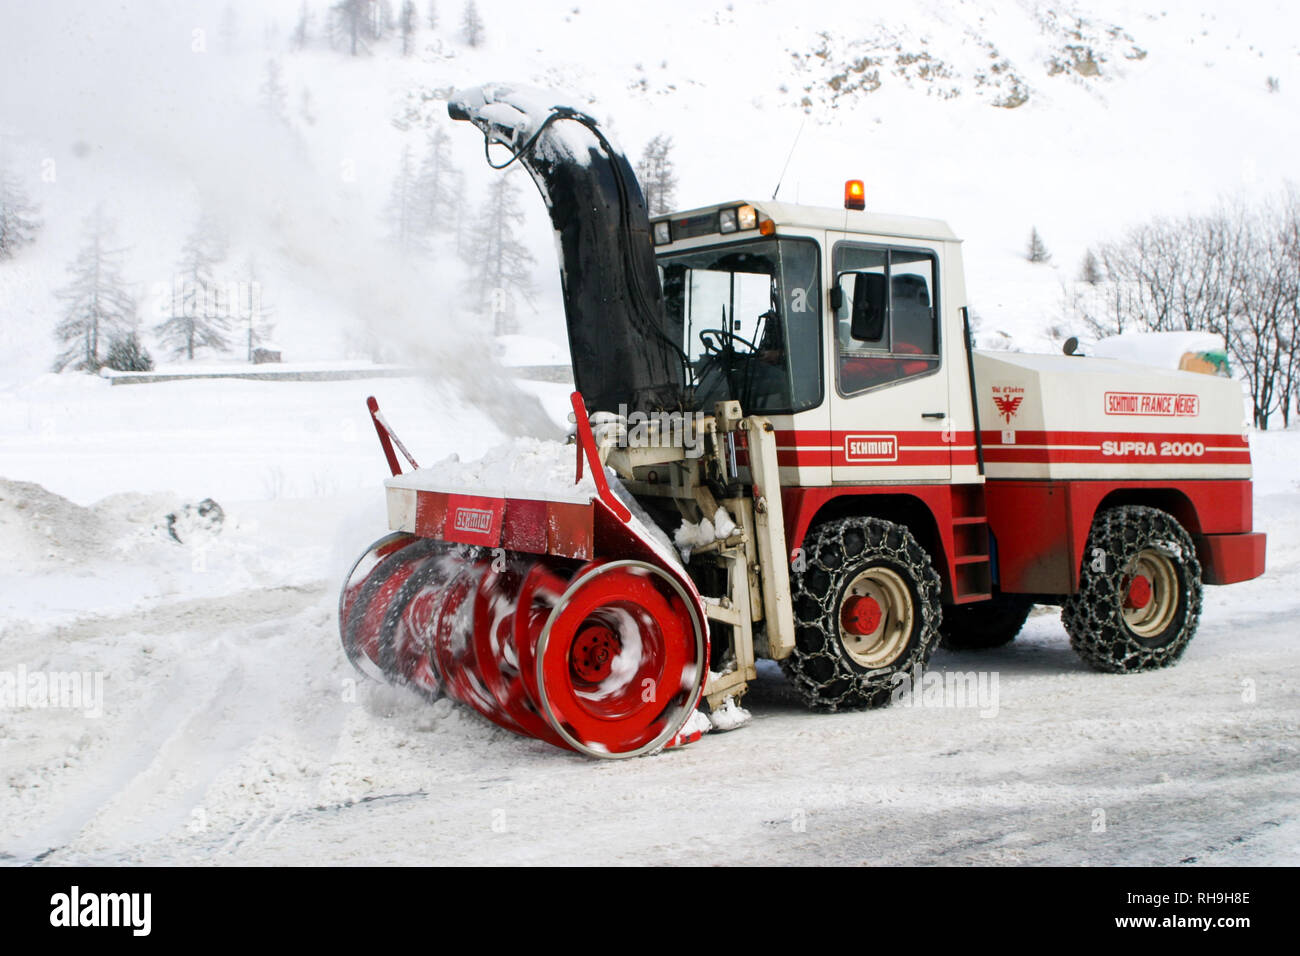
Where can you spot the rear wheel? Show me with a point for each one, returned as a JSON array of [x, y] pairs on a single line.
[[985, 624], [1139, 597], [867, 610]]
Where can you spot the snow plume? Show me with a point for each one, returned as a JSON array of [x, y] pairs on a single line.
[[155, 105]]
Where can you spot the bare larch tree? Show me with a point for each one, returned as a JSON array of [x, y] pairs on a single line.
[[438, 184], [350, 24], [406, 210], [500, 265], [200, 309], [18, 222], [658, 175], [408, 21], [98, 304], [471, 24]]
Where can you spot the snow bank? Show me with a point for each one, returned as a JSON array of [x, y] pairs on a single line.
[[40, 527], [42, 530]]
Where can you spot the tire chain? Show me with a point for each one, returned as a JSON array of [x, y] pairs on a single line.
[[1094, 617], [818, 666]]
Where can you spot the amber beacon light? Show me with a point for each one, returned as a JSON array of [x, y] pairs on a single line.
[[855, 196]]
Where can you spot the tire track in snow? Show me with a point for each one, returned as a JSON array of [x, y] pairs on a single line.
[[199, 712], [240, 609]]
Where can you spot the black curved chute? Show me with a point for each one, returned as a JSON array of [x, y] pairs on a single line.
[[621, 351]]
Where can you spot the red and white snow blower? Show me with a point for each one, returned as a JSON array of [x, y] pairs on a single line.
[[794, 391]]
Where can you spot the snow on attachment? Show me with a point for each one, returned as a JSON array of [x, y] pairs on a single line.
[[552, 611]]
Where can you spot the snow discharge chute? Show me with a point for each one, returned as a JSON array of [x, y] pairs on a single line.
[[552, 611], [613, 302]]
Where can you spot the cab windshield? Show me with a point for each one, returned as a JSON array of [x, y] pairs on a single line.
[[747, 316]]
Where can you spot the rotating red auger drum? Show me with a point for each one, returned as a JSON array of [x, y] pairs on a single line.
[[555, 616]]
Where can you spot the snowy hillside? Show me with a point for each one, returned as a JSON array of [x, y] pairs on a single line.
[[1078, 119]]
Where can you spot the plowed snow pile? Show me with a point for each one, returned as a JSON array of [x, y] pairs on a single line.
[[40, 528]]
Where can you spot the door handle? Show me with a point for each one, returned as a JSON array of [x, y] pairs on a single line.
[[935, 415]]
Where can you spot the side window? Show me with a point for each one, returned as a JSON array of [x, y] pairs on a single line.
[[886, 315], [911, 282]]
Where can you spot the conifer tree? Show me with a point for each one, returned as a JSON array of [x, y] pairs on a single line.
[[200, 309], [500, 263], [658, 175], [97, 302]]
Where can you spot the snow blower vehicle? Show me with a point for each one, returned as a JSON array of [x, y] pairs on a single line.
[[793, 392]]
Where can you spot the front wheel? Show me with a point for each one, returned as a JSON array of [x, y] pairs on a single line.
[[866, 606], [1139, 597]]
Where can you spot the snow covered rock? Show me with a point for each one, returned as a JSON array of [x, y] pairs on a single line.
[[193, 521]]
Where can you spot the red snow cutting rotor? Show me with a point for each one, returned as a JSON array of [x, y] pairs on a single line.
[[556, 617]]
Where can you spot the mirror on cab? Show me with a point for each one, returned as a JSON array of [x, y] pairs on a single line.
[[867, 293]]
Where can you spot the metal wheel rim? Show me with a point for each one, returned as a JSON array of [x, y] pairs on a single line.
[[886, 643], [375, 546], [678, 719], [1159, 612], [359, 660]]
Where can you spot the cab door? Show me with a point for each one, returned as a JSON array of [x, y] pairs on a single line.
[[890, 418]]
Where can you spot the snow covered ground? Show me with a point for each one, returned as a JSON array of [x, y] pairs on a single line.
[[220, 722], [230, 728]]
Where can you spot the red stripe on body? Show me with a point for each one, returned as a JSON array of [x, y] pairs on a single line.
[[824, 448], [1027, 437]]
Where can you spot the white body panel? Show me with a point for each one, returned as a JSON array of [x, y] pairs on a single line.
[[1040, 416], [1064, 417]]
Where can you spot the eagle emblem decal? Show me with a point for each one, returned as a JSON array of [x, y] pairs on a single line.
[[1007, 405]]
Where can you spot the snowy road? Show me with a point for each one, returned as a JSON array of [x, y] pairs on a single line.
[[243, 749], [234, 732]]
